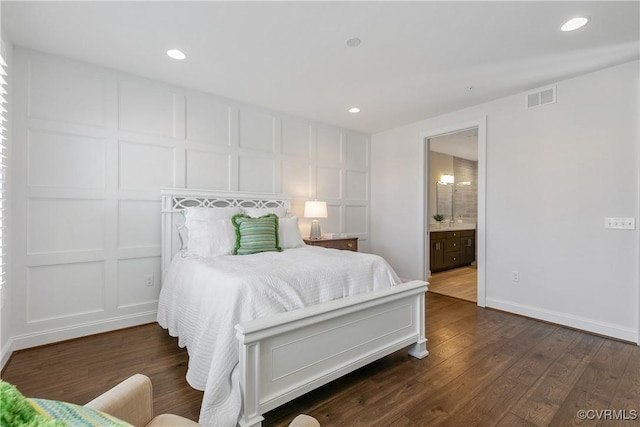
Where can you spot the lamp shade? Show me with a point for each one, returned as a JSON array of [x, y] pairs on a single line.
[[315, 209]]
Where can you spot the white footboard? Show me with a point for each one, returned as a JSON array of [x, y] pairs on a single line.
[[290, 354]]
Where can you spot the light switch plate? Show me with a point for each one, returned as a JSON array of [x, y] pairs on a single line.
[[620, 223]]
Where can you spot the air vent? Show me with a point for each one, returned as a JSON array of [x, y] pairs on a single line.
[[540, 97]]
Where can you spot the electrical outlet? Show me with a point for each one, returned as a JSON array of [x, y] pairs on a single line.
[[515, 276], [148, 280]]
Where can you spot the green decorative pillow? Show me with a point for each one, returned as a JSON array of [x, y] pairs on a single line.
[[16, 410], [255, 235], [75, 415]]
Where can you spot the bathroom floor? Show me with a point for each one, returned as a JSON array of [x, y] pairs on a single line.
[[459, 283]]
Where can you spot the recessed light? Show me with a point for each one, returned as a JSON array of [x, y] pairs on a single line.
[[176, 54], [574, 23], [354, 42], [354, 110]]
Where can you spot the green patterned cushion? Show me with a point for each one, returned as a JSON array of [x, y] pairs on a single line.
[[255, 234], [16, 410], [74, 415]]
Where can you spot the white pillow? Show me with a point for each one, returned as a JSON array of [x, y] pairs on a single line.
[[281, 212], [196, 221], [211, 238], [289, 233], [204, 214]]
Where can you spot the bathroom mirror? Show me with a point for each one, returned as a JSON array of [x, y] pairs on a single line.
[[444, 199]]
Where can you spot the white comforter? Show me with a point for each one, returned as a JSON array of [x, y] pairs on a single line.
[[202, 300]]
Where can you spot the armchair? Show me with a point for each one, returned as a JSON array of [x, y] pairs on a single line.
[[132, 401]]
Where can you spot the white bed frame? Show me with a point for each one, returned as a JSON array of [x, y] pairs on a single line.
[[289, 354]]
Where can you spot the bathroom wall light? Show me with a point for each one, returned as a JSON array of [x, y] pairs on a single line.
[[446, 179], [354, 110]]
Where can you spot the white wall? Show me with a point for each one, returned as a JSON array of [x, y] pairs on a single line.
[[553, 174], [94, 146]]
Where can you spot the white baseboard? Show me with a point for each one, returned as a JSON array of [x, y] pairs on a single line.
[[6, 352], [20, 342], [582, 323]]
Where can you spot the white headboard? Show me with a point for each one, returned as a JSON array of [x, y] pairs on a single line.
[[174, 200]]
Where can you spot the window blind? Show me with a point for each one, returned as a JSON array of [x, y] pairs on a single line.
[[3, 169]]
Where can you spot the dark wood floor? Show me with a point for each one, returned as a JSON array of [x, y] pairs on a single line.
[[485, 368]]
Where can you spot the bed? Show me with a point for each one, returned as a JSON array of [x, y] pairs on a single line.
[[265, 328]]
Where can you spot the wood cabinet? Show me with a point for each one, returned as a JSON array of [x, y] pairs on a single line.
[[438, 242], [468, 249], [345, 243], [451, 249]]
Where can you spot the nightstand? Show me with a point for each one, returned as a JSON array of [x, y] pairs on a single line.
[[346, 243]]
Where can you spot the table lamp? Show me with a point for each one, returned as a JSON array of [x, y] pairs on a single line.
[[315, 209]]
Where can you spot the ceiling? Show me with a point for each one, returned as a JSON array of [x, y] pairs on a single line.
[[416, 59]]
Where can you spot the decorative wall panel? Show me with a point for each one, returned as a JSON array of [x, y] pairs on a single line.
[[356, 219], [64, 290], [256, 174], [138, 223], [207, 120], [356, 185], [329, 145], [66, 160], [63, 225], [134, 276], [296, 137], [329, 184], [66, 91], [208, 170], [297, 208], [145, 167], [257, 131], [146, 107], [295, 178], [333, 223], [357, 152]]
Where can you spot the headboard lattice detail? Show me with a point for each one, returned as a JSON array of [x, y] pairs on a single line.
[[179, 203], [175, 200]]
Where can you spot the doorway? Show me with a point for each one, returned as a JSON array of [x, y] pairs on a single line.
[[457, 256], [453, 214]]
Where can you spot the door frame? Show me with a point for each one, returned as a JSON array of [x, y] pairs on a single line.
[[423, 198]]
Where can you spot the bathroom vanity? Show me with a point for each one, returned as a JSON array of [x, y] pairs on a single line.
[[452, 247]]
